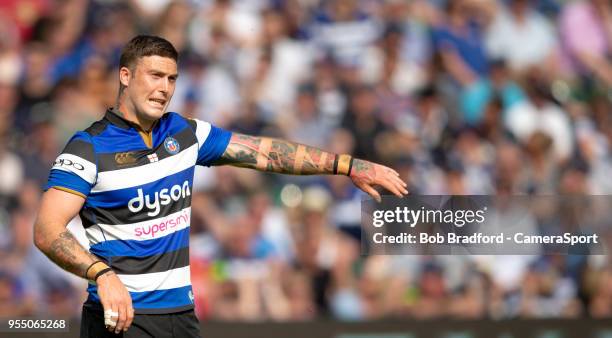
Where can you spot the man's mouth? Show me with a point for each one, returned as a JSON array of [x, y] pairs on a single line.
[[158, 102]]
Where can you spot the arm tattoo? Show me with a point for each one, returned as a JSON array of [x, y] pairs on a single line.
[[363, 168], [66, 252], [282, 157], [274, 155], [241, 151]]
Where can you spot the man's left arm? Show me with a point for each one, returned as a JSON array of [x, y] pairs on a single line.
[[281, 156]]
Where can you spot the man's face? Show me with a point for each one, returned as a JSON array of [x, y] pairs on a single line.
[[149, 86]]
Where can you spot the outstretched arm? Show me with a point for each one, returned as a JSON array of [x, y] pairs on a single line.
[[280, 156]]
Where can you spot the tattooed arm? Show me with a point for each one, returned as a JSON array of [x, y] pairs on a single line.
[[53, 238], [280, 156]]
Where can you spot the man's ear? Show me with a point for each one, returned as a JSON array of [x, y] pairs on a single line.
[[124, 76]]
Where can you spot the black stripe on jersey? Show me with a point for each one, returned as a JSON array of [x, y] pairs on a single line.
[[126, 265], [123, 215], [97, 128], [122, 160], [193, 124], [81, 149]]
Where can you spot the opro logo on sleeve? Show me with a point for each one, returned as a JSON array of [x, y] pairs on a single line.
[[65, 162], [159, 198]]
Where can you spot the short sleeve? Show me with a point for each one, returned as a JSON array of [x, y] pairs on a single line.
[[74, 170], [212, 142]]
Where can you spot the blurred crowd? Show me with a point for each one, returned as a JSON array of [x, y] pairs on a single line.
[[463, 97]]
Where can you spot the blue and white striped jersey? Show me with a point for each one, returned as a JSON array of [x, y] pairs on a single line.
[[137, 210]]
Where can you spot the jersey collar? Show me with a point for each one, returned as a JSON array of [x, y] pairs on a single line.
[[117, 120]]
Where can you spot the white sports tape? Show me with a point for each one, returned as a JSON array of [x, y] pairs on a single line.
[[109, 322], [108, 318], [110, 313]]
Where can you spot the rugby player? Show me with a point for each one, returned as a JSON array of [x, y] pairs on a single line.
[[129, 178]]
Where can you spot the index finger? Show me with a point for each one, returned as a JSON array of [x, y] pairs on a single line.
[[110, 318], [387, 184], [401, 184]]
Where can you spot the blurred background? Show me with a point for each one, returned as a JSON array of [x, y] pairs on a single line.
[[462, 97]]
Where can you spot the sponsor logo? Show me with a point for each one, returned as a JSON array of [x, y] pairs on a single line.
[[163, 227], [172, 146], [162, 197], [190, 295], [64, 162], [153, 158], [125, 158]]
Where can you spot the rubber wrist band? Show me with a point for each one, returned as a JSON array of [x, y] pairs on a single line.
[[95, 270], [89, 267], [101, 272], [336, 164], [344, 164]]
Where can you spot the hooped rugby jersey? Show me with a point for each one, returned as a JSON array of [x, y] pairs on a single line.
[[137, 207]]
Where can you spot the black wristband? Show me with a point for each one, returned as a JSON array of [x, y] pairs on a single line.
[[92, 264], [350, 166], [101, 272], [336, 164]]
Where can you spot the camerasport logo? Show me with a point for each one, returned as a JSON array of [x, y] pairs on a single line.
[[64, 162], [152, 203]]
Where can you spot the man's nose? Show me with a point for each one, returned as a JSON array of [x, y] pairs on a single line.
[[165, 86]]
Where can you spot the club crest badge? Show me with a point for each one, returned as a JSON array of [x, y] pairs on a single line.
[[172, 146]]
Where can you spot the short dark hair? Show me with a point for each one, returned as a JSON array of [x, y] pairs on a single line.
[[146, 45]]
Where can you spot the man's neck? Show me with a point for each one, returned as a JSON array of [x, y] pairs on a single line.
[[128, 114]]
